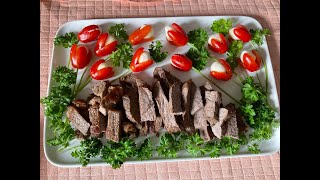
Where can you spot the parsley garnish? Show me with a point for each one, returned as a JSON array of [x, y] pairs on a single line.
[[116, 153], [258, 34], [155, 51], [89, 148], [122, 54], [233, 53], [198, 53], [145, 150], [67, 40], [119, 31], [221, 26]]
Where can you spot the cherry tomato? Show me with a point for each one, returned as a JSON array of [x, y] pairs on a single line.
[[80, 56], [176, 35], [181, 62], [218, 43], [141, 60], [240, 33], [105, 45], [100, 70], [141, 35], [221, 70], [89, 33], [250, 60]]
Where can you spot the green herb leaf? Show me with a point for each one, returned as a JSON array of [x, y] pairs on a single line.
[[155, 51], [55, 105], [257, 111], [88, 149], [198, 37], [67, 40], [170, 144], [119, 31], [145, 150], [258, 34], [214, 149], [116, 153], [233, 53], [221, 26], [64, 76], [199, 57], [230, 145], [122, 54], [195, 145], [254, 148]]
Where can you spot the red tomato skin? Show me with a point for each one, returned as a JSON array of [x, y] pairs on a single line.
[[80, 56], [102, 49], [225, 76], [138, 36], [242, 33], [219, 46], [135, 66], [178, 36], [89, 33], [251, 64], [101, 74], [181, 62]]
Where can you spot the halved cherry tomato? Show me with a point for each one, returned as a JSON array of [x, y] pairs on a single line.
[[240, 33], [141, 60], [181, 62], [221, 70], [105, 45], [176, 35], [100, 70], [89, 33], [250, 60], [218, 43], [141, 35], [80, 56]]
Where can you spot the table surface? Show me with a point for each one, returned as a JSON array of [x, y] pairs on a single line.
[[55, 13]]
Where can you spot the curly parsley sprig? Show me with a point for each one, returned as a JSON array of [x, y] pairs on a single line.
[[155, 51], [119, 31], [67, 40]]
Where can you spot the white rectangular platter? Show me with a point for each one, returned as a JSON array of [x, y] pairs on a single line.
[[60, 56]]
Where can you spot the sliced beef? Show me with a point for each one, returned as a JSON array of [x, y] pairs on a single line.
[[144, 130], [98, 121], [128, 81], [113, 130], [166, 79], [77, 120], [81, 136], [131, 106], [151, 127], [146, 104], [206, 134], [130, 99], [223, 116], [231, 123], [196, 99], [199, 117], [80, 104], [186, 104], [158, 124], [100, 88], [112, 99], [175, 99], [212, 102], [169, 121], [96, 100], [242, 126], [129, 129]]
